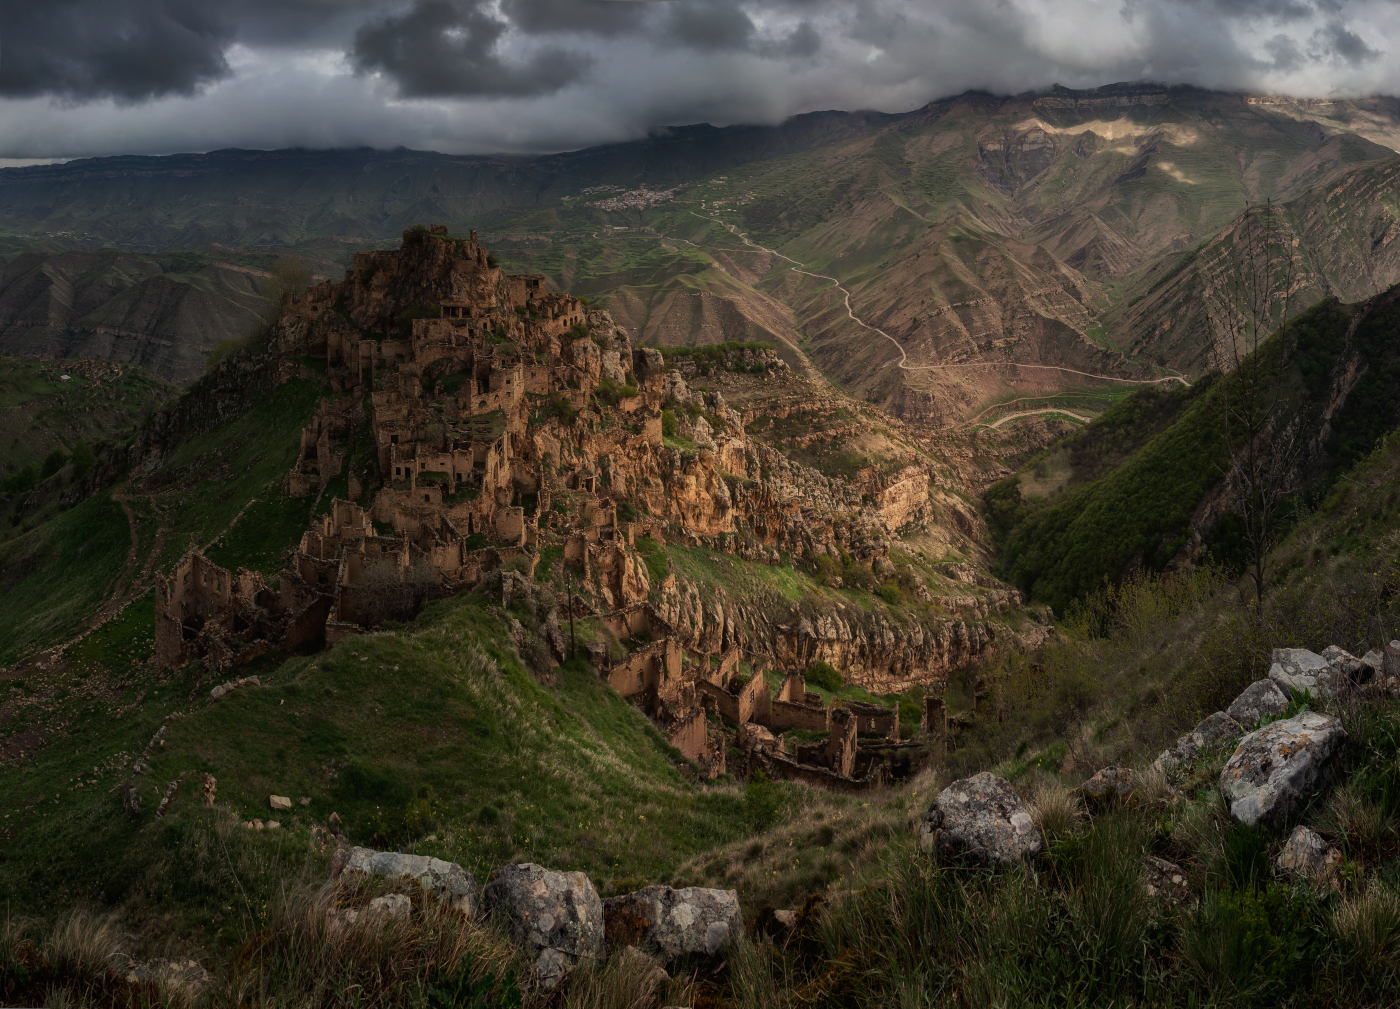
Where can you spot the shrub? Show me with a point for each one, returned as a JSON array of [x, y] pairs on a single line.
[[820, 674], [670, 426], [53, 462]]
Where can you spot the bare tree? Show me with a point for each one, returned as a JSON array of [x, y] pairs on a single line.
[[1263, 433]]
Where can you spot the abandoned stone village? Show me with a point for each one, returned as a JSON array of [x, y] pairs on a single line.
[[480, 423]]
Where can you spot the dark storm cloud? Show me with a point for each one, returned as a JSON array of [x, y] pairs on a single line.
[[593, 17], [443, 48], [129, 50], [530, 75], [1341, 43]]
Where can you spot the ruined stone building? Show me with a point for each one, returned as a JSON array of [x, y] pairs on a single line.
[[478, 419]]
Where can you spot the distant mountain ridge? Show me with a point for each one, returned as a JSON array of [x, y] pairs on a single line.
[[980, 234]]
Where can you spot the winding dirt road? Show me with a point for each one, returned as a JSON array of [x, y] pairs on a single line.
[[903, 355]]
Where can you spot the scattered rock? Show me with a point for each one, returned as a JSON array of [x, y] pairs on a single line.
[[1259, 699], [980, 817], [448, 882], [672, 923], [187, 974], [1274, 768], [1309, 855], [1214, 730], [1108, 787], [131, 799], [224, 688], [1165, 880], [395, 905], [211, 787], [303, 800], [272, 824], [1298, 670], [557, 916], [279, 802]]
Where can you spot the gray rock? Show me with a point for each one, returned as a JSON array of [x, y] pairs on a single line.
[[1308, 854], [1297, 670], [1347, 671], [1260, 698], [394, 905], [557, 916], [980, 817], [672, 923], [186, 974], [1274, 769], [1165, 880], [448, 882], [1108, 787], [1214, 730]]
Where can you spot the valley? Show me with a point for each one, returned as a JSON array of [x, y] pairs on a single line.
[[839, 523]]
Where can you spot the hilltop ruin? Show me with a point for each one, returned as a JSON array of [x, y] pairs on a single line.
[[478, 420]]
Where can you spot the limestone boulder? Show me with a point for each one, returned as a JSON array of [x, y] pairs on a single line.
[[447, 882], [556, 916], [669, 923], [1108, 787], [1275, 769], [1260, 699], [1308, 854], [981, 818], [1214, 730], [1298, 670]]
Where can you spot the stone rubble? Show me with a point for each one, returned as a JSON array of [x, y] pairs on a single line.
[[448, 883], [1262, 698], [1215, 730], [1108, 787]]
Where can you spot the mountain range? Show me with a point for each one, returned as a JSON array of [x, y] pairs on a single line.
[[981, 235]]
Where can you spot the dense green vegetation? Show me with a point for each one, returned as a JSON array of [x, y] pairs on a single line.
[[1138, 473]]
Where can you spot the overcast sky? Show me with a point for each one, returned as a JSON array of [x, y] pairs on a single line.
[[96, 77]]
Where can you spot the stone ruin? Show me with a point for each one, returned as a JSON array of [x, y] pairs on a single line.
[[479, 419]]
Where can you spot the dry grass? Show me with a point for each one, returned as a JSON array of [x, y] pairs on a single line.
[[1054, 807], [1368, 924]]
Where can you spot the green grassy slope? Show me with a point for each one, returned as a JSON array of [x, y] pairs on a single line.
[[221, 491], [433, 738], [1064, 546], [40, 413]]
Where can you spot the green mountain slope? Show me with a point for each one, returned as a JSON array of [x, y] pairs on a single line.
[[1074, 520]]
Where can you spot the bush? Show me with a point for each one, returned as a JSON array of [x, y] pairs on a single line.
[[820, 674], [670, 426], [83, 460], [53, 462]]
